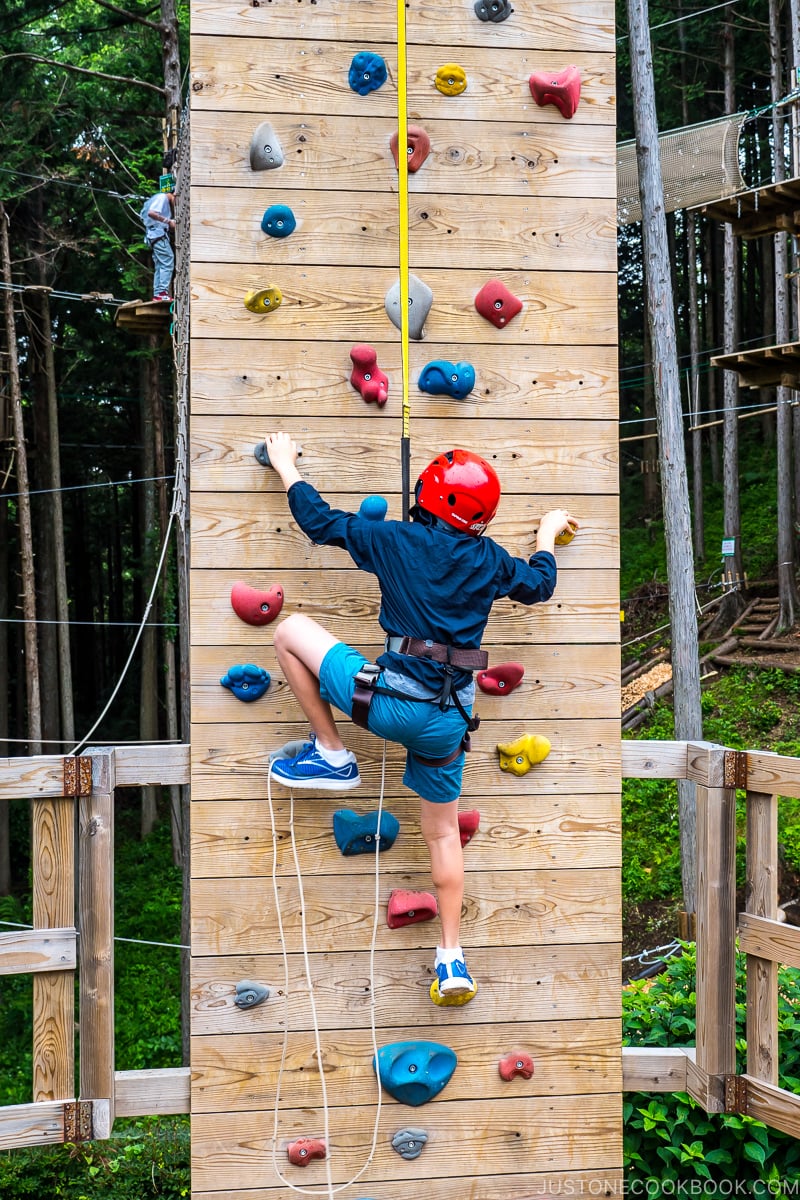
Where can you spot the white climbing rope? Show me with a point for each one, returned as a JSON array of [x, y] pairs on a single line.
[[330, 1190]]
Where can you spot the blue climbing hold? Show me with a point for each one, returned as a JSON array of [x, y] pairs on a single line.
[[443, 378], [356, 834], [415, 1072], [247, 681], [279, 221], [367, 72], [374, 508]]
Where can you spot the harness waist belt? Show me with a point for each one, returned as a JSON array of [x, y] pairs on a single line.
[[466, 660]]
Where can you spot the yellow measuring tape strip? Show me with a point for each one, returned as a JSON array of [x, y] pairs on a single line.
[[402, 175]]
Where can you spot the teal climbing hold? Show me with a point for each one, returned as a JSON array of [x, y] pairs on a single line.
[[443, 378], [374, 508], [367, 72], [415, 1072], [279, 221], [247, 681], [356, 834]]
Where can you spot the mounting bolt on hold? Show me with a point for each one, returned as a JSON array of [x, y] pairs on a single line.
[[420, 300], [518, 757], [497, 304], [366, 377], [500, 680], [493, 10], [409, 1143], [247, 681], [409, 908], [515, 1064], [255, 607], [301, 1152], [444, 378], [419, 147]]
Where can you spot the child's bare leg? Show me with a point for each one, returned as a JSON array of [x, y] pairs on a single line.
[[300, 646], [439, 824]]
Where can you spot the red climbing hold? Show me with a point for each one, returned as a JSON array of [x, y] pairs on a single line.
[[502, 679], [419, 147], [255, 607], [408, 908], [367, 377], [515, 1064], [303, 1150], [468, 823], [563, 90], [497, 304]]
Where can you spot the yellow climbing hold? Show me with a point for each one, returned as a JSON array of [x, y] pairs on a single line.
[[454, 999], [451, 80], [263, 300], [518, 757]]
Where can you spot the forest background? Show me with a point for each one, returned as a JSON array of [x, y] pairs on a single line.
[[86, 95]]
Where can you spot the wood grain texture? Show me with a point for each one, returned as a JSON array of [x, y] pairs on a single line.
[[561, 1132], [558, 25], [238, 1071], [516, 833], [536, 234], [570, 308], [307, 379], [335, 153], [561, 682], [306, 75], [96, 898], [601, 1182], [53, 856], [28, 950]]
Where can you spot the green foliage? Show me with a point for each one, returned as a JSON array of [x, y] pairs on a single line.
[[668, 1138]]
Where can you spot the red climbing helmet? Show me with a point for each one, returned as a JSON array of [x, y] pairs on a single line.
[[460, 488]]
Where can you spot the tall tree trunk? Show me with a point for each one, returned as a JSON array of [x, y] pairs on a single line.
[[148, 707], [674, 483], [170, 57], [28, 579], [5, 851], [698, 524], [650, 486], [711, 334]]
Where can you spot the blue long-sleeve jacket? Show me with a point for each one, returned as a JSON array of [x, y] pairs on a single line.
[[433, 584]]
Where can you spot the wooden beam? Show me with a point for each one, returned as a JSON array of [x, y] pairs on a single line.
[[28, 950], [654, 1068], [53, 855], [765, 366], [654, 760], [773, 1105], [153, 1092], [762, 902], [42, 776], [770, 940], [48, 1122], [775, 773], [758, 211]]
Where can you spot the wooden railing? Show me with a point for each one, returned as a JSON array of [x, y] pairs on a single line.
[[707, 1071], [54, 947], [61, 789]]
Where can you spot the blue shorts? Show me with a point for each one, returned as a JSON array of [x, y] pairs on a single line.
[[417, 725]]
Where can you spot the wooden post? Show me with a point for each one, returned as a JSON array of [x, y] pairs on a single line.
[[96, 894], [716, 934], [762, 901]]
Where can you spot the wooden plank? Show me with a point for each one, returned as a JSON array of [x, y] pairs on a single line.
[[153, 1092], [762, 970], [773, 1105], [558, 25], [764, 365], [96, 897], [39, 1124], [537, 234], [774, 773], [546, 983], [53, 856], [716, 930], [563, 1131], [653, 1069], [305, 75], [603, 1181], [560, 682], [39, 776], [503, 908], [771, 940], [28, 950], [296, 379], [42, 776], [569, 308], [140, 766], [519, 833], [230, 761], [335, 153], [654, 760], [236, 1072]]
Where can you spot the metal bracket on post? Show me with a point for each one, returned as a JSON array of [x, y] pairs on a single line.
[[735, 1094], [78, 1124], [735, 769], [77, 775]]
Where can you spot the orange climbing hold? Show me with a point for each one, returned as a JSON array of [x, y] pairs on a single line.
[[563, 90]]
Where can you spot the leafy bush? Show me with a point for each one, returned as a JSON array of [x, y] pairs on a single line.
[[668, 1138]]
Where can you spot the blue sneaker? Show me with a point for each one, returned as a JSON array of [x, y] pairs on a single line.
[[454, 978], [309, 769]]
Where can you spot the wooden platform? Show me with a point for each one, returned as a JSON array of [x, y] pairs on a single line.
[[760, 211], [144, 316], [768, 366]]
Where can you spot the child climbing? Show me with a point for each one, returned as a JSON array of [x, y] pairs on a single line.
[[157, 215], [438, 579]]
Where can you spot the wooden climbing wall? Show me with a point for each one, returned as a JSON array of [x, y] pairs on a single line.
[[510, 191]]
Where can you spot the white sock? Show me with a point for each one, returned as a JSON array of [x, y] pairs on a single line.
[[336, 758], [448, 954]]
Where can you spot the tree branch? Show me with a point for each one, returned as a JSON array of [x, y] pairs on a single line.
[[53, 62], [131, 16]]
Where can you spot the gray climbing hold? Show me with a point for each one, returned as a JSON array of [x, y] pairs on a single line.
[[265, 149], [262, 454], [289, 749], [409, 1143], [249, 994], [420, 299]]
